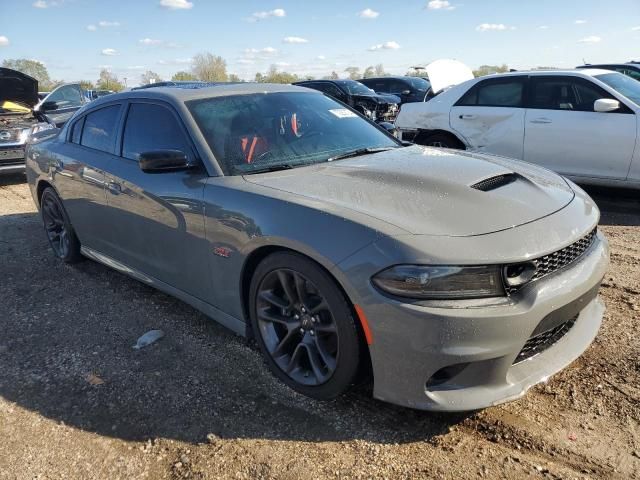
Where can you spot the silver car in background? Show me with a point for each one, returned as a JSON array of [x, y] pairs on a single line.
[[456, 280]]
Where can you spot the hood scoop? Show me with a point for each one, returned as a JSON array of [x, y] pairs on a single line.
[[498, 181]]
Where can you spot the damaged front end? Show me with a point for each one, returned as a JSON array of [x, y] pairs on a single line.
[[18, 121], [378, 109]]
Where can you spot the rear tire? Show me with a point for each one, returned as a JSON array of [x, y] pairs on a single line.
[[439, 140], [57, 226], [304, 326]]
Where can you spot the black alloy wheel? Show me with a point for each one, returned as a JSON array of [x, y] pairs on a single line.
[[304, 326], [58, 229]]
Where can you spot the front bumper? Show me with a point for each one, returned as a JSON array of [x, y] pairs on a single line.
[[461, 356], [12, 158]]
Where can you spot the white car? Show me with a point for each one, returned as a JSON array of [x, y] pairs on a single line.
[[580, 123]]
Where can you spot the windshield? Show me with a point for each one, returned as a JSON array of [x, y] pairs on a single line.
[[627, 86], [419, 83], [355, 88], [255, 132]]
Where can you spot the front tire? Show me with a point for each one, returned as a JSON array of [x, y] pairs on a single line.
[[439, 140], [304, 326], [58, 228]]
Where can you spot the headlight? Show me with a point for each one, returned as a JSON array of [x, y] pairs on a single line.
[[41, 127], [441, 281]]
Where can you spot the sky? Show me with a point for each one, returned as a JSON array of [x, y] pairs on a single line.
[[76, 38]]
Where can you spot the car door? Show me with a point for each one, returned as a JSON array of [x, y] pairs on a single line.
[[490, 116], [78, 170], [60, 105], [156, 219], [565, 134]]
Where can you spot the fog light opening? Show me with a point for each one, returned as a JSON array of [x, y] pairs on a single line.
[[445, 375]]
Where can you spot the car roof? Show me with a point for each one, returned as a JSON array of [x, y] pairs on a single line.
[[176, 93], [394, 77], [576, 72]]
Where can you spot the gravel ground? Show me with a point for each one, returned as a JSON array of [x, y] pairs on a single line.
[[76, 401]]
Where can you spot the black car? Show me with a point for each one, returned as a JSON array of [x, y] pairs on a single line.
[[631, 69], [375, 106], [409, 89]]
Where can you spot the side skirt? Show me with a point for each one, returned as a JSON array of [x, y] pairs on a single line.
[[237, 326]]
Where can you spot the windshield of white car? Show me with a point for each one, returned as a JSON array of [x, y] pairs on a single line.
[[355, 88], [257, 132], [627, 86]]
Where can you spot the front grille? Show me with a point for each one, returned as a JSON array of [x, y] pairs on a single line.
[[11, 156], [540, 342], [555, 261]]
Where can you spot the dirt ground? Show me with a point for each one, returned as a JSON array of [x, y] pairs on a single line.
[[76, 401]]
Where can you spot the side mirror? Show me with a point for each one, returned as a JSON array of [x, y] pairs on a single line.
[[160, 161], [49, 106], [606, 105]]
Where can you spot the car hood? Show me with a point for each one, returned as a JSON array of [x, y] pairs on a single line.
[[445, 73], [18, 88], [378, 98], [430, 191]]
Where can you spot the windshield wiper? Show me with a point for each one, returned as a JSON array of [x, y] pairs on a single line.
[[269, 168], [358, 152]]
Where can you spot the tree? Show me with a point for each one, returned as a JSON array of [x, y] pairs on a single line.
[[489, 69], [354, 72], [183, 76], [108, 81], [87, 85], [209, 68], [275, 76], [234, 78], [380, 71], [332, 76], [369, 72], [34, 69], [149, 77]]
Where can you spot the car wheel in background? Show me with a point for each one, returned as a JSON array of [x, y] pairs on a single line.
[[304, 326], [441, 140], [60, 233]]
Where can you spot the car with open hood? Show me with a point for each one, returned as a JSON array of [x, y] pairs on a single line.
[[378, 107], [454, 280], [24, 112]]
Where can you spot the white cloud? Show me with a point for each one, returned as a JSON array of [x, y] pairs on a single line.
[[4, 41], [282, 64], [635, 29], [580, 22], [278, 12], [321, 57], [295, 40], [543, 27], [136, 67], [150, 41], [92, 28], [109, 52], [439, 5], [40, 4], [176, 4], [590, 39], [385, 46], [107, 24], [368, 14], [252, 52], [495, 27]]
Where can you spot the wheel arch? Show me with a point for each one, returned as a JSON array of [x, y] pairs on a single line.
[[251, 264], [40, 188], [425, 133]]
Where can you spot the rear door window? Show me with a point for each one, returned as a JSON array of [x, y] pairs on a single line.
[[152, 127], [99, 131], [498, 92]]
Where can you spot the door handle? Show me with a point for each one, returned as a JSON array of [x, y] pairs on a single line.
[[466, 116], [115, 188], [541, 120]]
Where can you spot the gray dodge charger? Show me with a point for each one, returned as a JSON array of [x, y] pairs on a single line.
[[454, 280]]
